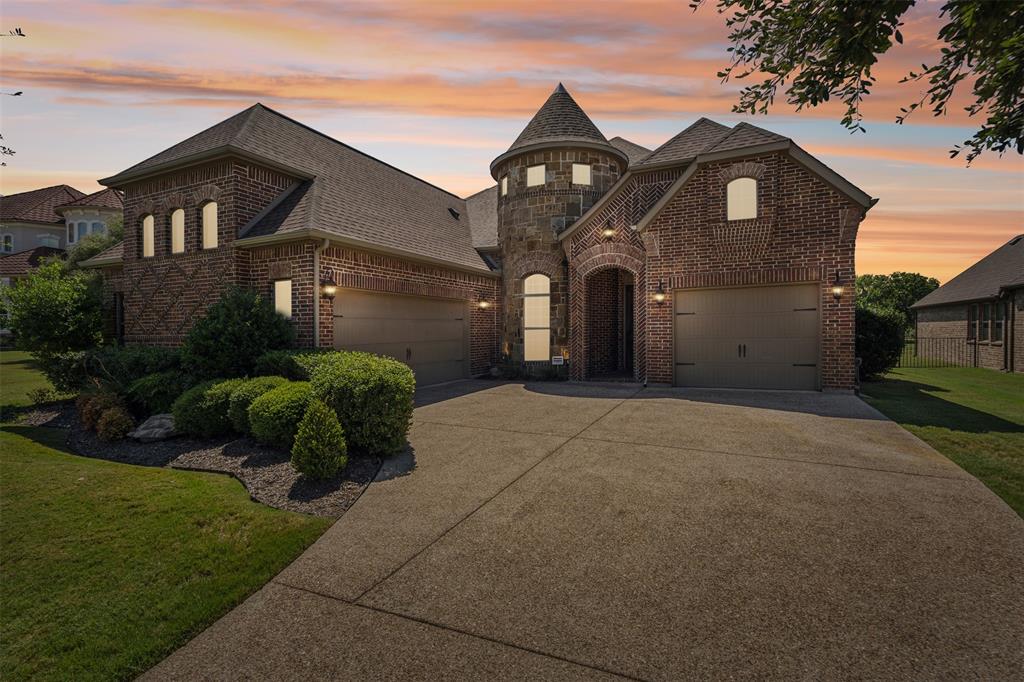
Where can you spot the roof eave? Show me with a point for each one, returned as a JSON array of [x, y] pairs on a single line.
[[960, 301], [597, 207], [556, 144], [100, 262], [224, 151], [319, 234]]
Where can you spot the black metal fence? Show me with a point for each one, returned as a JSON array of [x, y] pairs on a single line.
[[937, 352]]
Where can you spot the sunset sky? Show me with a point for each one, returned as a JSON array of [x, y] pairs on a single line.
[[440, 88]]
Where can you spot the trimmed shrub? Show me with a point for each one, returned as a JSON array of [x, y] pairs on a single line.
[[242, 397], [114, 424], [233, 334], [296, 365], [275, 415], [879, 340], [372, 397], [155, 393], [92, 406], [203, 410], [319, 451]]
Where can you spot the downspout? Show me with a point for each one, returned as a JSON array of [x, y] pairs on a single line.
[[316, 291]]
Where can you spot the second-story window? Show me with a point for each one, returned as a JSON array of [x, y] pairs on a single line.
[[210, 225], [504, 185], [98, 228], [71, 233], [178, 231], [147, 237], [581, 174], [83, 229], [535, 175], [8, 243], [741, 199]]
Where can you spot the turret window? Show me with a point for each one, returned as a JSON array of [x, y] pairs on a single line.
[[504, 185], [536, 317], [741, 199], [581, 174], [535, 175]]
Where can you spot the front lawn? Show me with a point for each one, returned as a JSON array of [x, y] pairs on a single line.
[[18, 376], [106, 568], [973, 416]]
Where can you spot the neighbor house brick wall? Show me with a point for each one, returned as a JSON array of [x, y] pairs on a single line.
[[942, 335], [1016, 326], [166, 293]]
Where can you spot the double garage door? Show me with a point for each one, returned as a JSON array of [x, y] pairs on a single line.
[[431, 335], [753, 337]]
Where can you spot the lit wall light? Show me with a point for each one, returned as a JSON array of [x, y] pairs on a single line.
[[659, 294], [608, 232], [327, 286], [483, 304], [837, 287]]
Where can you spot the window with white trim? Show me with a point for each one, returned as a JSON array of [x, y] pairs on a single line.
[[504, 185], [536, 317], [178, 230], [83, 229], [147, 237], [7, 243], [535, 175], [581, 174], [50, 240], [210, 225], [283, 297], [98, 228], [71, 233], [741, 199]]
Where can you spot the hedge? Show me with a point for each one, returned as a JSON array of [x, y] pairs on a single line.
[[155, 393], [297, 365], [275, 415], [203, 410], [242, 397]]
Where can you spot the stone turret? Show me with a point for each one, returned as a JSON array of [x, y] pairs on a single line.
[[555, 170]]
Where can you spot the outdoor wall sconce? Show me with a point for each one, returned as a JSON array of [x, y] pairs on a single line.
[[327, 287], [483, 304], [837, 287], [659, 294], [608, 232]]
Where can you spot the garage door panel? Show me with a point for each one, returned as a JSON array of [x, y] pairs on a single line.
[[430, 335], [748, 337]]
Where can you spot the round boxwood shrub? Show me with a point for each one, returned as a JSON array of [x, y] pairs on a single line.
[[233, 334], [92, 406], [203, 410], [319, 451], [879, 340], [114, 424], [242, 397], [372, 397], [275, 415], [296, 365], [155, 393]]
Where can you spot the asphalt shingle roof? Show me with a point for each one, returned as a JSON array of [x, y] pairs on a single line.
[[696, 139], [350, 194], [19, 264], [37, 206], [1001, 269], [105, 198], [483, 217], [560, 119], [634, 152], [114, 253]]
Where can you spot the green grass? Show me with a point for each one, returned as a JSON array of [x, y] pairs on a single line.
[[973, 416], [106, 568], [18, 376]]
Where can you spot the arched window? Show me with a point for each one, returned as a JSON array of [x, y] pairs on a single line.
[[210, 225], [536, 317], [147, 237], [178, 231], [741, 199], [8, 243]]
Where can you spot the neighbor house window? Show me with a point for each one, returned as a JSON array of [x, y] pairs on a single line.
[[986, 314], [741, 199], [535, 175], [178, 231], [49, 240], [97, 228], [83, 229], [147, 237], [8, 243], [581, 174], [71, 233], [997, 322], [536, 317], [210, 225], [972, 322], [283, 297], [504, 185]]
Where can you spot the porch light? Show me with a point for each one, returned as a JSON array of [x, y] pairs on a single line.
[[659, 294], [327, 286], [608, 232], [837, 287], [483, 304]]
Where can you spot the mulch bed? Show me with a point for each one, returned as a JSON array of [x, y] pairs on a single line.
[[265, 472]]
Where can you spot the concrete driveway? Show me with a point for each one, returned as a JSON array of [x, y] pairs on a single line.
[[575, 531]]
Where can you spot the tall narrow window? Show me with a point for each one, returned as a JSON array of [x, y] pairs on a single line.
[[741, 199], [178, 231], [986, 315], [536, 317], [210, 225], [147, 237], [283, 297], [504, 185], [83, 229], [8, 243], [535, 175], [972, 322], [997, 322], [71, 233], [581, 174]]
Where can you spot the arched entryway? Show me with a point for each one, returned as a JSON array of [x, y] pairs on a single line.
[[610, 315]]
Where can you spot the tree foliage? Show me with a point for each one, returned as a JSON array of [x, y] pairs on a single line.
[[818, 50], [55, 310], [95, 243], [896, 292]]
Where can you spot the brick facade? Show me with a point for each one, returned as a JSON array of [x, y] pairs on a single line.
[[942, 335]]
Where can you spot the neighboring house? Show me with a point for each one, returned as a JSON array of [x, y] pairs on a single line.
[[711, 261], [17, 266], [54, 217], [977, 318]]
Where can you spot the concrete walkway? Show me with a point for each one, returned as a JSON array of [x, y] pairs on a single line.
[[561, 531]]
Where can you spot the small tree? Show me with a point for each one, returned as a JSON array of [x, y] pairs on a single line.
[[233, 334], [896, 292], [320, 451], [54, 310], [879, 340]]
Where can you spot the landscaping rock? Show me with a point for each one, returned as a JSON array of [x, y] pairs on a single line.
[[157, 427]]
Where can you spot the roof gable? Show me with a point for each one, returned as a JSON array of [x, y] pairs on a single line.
[[1000, 269], [105, 198], [699, 137]]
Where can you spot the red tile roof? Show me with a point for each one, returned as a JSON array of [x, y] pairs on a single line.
[[37, 206], [19, 264], [105, 198]]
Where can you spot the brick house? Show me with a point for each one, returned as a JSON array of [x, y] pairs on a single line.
[[710, 261], [977, 318]]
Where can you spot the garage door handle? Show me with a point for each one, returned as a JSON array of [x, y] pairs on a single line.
[[739, 350], [408, 354], [744, 350]]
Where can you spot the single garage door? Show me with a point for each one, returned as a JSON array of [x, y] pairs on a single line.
[[756, 337], [431, 335]]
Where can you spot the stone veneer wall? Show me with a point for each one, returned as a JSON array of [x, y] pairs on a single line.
[[529, 218]]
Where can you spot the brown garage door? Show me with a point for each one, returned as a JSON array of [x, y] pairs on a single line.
[[756, 337], [431, 335]]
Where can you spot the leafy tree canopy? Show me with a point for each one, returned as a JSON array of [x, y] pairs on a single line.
[[896, 292], [817, 50], [54, 310], [95, 243]]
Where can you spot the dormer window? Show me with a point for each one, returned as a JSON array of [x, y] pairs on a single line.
[[535, 175], [581, 174], [504, 185], [741, 199], [178, 231]]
